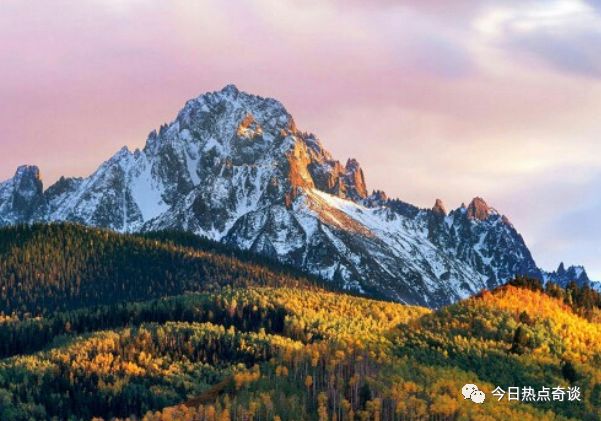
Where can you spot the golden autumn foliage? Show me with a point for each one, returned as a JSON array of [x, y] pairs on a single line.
[[284, 350], [580, 337]]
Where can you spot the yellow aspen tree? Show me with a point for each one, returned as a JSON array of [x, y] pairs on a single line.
[[322, 407], [225, 415]]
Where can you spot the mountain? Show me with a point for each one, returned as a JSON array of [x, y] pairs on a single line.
[[563, 276], [235, 168]]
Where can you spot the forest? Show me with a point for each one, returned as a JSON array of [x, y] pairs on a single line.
[[166, 326], [48, 268]]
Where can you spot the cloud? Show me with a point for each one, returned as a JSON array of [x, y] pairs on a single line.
[[574, 233], [564, 34], [576, 53], [596, 4]]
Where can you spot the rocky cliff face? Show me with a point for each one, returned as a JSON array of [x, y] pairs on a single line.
[[21, 195], [235, 168]]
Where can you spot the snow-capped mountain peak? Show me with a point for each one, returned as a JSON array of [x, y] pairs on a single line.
[[234, 167]]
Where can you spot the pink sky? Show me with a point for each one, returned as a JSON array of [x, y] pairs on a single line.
[[494, 98]]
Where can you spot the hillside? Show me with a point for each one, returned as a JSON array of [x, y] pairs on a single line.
[[288, 351], [44, 268], [421, 364], [274, 345]]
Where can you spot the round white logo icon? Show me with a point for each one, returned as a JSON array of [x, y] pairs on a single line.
[[471, 391]]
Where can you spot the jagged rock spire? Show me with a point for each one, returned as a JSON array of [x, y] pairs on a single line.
[[230, 89], [479, 209], [439, 208], [379, 195], [355, 179], [28, 181], [21, 195], [561, 270], [564, 275]]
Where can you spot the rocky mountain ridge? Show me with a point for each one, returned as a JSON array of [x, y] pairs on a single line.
[[235, 168], [563, 276]]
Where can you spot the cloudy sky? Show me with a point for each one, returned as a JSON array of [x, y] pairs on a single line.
[[500, 99]]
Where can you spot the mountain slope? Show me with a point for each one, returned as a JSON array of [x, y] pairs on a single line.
[[46, 268], [234, 167], [305, 354]]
